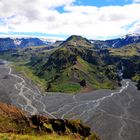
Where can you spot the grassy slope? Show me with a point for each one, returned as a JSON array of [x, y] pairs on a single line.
[[127, 51], [69, 77], [92, 72], [11, 136], [15, 125], [29, 73]]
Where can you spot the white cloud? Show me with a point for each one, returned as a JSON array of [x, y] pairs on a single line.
[[136, 1], [135, 28], [89, 21]]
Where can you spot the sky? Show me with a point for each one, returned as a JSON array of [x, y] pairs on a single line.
[[93, 19]]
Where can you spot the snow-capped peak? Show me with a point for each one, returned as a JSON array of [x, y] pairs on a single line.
[[17, 41], [133, 34], [130, 35]]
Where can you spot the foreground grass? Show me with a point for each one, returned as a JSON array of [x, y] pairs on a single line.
[[11, 136]]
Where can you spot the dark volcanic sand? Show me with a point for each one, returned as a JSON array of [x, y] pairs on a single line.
[[114, 115]]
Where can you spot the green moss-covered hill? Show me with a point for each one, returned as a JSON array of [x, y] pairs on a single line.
[[74, 67]]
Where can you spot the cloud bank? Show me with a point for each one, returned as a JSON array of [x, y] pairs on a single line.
[[90, 21]]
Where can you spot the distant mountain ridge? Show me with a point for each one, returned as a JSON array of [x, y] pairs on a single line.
[[74, 40], [117, 43], [12, 43]]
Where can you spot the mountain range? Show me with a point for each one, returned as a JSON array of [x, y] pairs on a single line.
[[118, 42], [81, 65], [13, 43]]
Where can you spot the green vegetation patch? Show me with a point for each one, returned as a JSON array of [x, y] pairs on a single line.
[[66, 87], [11, 136], [127, 51], [29, 73]]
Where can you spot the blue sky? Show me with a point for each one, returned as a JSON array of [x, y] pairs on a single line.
[[95, 19], [98, 3], [101, 3]]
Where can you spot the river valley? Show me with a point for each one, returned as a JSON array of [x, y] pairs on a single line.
[[113, 114]]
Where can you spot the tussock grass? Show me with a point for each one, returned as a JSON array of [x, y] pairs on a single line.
[[11, 136]]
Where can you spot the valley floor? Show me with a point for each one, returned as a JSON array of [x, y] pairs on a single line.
[[113, 115]]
